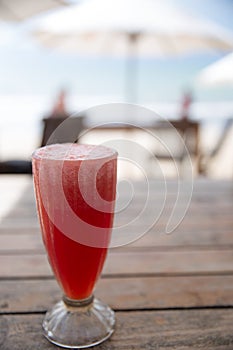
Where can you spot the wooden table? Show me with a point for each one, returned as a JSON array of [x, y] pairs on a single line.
[[168, 291]]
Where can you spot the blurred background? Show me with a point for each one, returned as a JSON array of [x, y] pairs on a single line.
[[173, 57]]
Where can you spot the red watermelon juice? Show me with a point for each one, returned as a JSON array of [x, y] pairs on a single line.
[[75, 188]]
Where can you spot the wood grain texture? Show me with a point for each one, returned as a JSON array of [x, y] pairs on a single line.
[[169, 291], [124, 293], [23, 242], [129, 263], [203, 194], [149, 330], [192, 239], [168, 262], [162, 209]]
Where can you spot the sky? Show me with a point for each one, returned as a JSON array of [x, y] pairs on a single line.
[[27, 68]]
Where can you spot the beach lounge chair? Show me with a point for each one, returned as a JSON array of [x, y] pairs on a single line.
[[173, 148], [16, 167], [68, 132], [67, 129], [207, 159]]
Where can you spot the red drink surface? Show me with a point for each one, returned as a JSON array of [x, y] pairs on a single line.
[[68, 172]]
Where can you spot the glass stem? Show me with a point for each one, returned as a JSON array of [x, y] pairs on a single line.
[[78, 303]]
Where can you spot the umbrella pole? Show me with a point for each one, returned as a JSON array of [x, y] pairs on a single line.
[[131, 76]]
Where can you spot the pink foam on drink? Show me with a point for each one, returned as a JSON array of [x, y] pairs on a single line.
[[73, 151]]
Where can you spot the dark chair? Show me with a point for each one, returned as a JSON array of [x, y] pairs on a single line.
[[69, 131], [206, 159], [61, 130], [16, 167], [177, 147]]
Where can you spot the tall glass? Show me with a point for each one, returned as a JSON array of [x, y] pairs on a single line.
[[75, 188]]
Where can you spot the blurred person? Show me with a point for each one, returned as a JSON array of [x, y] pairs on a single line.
[[186, 103], [70, 128], [59, 109]]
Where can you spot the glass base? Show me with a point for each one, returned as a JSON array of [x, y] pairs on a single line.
[[78, 324]]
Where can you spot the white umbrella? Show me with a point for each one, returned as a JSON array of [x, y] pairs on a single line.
[[105, 26], [131, 28], [17, 10], [217, 74]]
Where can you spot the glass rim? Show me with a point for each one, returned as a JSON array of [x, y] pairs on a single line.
[[36, 156]]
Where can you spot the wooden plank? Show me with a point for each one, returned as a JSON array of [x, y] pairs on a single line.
[[169, 262], [22, 223], [193, 232], [180, 330], [202, 213], [200, 221], [124, 293], [154, 210], [136, 199], [130, 263], [18, 230], [204, 191], [24, 266], [197, 223], [212, 238], [224, 202], [200, 185], [21, 243], [24, 207]]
